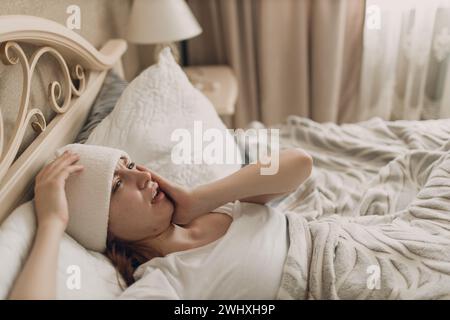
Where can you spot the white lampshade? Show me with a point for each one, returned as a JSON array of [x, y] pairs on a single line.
[[161, 21]]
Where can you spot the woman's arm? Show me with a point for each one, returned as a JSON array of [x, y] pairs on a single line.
[[38, 277], [306, 164], [37, 280], [247, 184]]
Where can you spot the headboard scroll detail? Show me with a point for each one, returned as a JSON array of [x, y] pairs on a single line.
[[11, 53], [83, 68]]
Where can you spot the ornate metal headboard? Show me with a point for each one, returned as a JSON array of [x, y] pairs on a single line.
[[83, 68]]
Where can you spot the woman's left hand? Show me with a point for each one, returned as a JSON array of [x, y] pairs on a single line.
[[187, 205], [49, 190]]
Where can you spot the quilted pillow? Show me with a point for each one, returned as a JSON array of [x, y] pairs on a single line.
[[81, 274], [160, 100]]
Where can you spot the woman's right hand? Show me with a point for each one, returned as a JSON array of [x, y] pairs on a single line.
[[49, 191], [187, 206]]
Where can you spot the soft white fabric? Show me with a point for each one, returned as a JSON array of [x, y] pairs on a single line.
[[373, 219], [88, 194], [97, 276], [160, 100], [246, 263]]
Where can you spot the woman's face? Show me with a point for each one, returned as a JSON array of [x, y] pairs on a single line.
[[135, 213]]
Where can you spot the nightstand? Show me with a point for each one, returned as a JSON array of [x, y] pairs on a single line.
[[219, 85]]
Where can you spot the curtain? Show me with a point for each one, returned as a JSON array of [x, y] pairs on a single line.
[[405, 60], [298, 57]]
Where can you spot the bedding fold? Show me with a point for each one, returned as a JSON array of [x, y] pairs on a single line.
[[373, 219]]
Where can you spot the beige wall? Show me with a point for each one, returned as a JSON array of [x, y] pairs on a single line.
[[100, 20]]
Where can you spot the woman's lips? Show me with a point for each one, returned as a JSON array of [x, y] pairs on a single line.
[[159, 196]]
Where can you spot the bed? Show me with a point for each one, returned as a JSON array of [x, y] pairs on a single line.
[[84, 76], [83, 69], [372, 221]]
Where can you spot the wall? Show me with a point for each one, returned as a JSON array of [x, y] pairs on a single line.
[[100, 20]]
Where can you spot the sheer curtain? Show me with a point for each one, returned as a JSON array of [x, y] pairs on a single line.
[[299, 57], [405, 63]]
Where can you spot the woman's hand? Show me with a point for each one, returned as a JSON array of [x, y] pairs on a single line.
[[187, 205], [49, 194]]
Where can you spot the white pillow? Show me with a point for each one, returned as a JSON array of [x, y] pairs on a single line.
[[98, 279], [160, 100]]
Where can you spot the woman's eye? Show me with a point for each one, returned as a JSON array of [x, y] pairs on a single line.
[[117, 185], [131, 165]]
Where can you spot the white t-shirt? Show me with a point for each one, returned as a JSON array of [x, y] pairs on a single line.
[[246, 263]]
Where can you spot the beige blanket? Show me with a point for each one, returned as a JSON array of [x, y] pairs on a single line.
[[373, 219]]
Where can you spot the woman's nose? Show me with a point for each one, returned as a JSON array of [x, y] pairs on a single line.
[[144, 178]]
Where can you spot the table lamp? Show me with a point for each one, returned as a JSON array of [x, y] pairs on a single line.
[[161, 22]]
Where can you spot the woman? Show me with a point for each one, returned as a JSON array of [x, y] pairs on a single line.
[[213, 241]]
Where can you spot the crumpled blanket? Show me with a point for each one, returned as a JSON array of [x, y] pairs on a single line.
[[373, 219]]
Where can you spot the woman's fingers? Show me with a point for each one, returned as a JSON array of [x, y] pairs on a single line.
[[62, 166], [64, 171], [66, 159], [56, 162], [162, 182], [73, 169]]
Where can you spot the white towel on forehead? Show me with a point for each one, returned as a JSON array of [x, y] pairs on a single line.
[[88, 194]]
